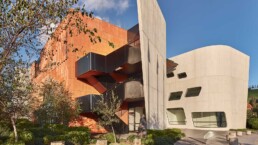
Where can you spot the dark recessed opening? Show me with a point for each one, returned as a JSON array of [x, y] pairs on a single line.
[[209, 119], [175, 95], [170, 75], [192, 92], [182, 75]]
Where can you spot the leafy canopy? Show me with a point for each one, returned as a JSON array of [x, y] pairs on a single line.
[[57, 106]]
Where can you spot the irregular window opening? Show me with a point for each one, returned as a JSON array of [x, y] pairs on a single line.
[[176, 116], [175, 96], [192, 92], [148, 53], [209, 119], [182, 75], [170, 75]]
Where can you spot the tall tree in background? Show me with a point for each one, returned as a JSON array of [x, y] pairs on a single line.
[[16, 90], [57, 106]]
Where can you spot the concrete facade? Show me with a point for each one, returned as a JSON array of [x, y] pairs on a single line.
[[222, 73], [152, 28]]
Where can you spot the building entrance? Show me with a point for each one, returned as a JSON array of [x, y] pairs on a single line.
[[135, 114]]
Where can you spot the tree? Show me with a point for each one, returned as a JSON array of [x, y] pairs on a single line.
[[106, 108], [57, 106], [16, 99], [23, 22]]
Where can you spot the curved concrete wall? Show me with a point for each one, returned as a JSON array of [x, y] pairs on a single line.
[[223, 73]]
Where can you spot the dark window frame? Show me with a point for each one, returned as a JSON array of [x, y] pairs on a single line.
[[175, 122], [176, 97], [170, 75], [182, 75], [193, 92], [223, 124]]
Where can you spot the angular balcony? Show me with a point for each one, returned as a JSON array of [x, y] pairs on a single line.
[[94, 64], [127, 91]]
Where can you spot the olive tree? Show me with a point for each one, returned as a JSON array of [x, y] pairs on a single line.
[[57, 106], [106, 109], [16, 90]]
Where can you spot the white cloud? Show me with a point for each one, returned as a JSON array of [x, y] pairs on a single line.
[[103, 5], [45, 32], [103, 18]]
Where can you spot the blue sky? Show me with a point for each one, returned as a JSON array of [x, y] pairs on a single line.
[[195, 23]]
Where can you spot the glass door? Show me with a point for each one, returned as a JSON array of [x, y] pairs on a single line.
[[135, 114]]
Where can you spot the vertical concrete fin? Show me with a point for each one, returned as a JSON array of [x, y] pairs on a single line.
[[152, 28]]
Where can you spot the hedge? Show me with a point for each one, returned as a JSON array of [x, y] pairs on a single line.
[[31, 134], [252, 123], [164, 137]]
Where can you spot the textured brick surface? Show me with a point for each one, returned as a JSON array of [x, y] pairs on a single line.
[[61, 52]]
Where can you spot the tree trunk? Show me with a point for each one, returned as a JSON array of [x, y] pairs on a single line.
[[113, 132], [14, 129]]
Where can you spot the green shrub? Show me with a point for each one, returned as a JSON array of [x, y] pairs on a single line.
[[75, 135], [93, 141], [38, 141], [23, 136], [14, 143], [131, 138], [31, 134], [252, 123], [26, 136], [56, 129], [148, 140], [48, 139], [4, 131], [109, 137], [79, 137], [166, 137], [24, 124], [164, 140]]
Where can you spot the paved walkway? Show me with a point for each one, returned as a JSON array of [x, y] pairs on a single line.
[[200, 137], [248, 139]]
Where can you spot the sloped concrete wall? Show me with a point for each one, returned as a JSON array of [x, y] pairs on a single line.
[[152, 27], [223, 74]]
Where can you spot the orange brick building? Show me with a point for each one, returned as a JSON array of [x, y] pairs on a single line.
[[61, 51]]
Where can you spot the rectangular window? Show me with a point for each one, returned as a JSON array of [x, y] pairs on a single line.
[[176, 116], [209, 119], [192, 92], [170, 75], [182, 75], [175, 95]]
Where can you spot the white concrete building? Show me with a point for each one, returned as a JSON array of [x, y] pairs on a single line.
[[208, 89]]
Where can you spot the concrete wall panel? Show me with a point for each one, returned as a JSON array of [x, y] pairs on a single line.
[[152, 28], [222, 72]]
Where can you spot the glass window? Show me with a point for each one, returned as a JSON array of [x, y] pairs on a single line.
[[192, 92], [182, 75], [170, 75], [175, 96], [176, 116], [209, 119]]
